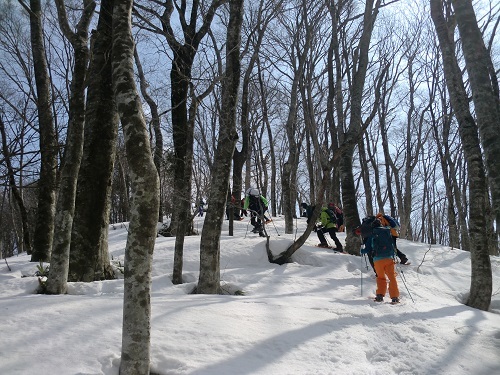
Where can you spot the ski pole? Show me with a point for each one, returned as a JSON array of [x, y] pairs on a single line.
[[361, 272], [404, 282], [274, 225], [248, 223]]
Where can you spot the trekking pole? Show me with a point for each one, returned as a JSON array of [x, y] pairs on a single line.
[[403, 277], [248, 223], [274, 225], [361, 272]]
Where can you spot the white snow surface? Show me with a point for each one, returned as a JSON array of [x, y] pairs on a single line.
[[312, 316]]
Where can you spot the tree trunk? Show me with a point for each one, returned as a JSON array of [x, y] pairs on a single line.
[[136, 331], [182, 126], [89, 257], [44, 227], [481, 281], [59, 262], [349, 140], [209, 280], [485, 94], [26, 241]]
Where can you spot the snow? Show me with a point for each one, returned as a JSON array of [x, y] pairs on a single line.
[[312, 316]]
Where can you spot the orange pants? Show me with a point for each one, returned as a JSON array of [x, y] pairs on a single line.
[[385, 267]]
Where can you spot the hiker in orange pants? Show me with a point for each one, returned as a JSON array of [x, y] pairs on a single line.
[[385, 267]]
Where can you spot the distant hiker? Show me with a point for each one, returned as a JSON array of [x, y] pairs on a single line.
[[328, 221], [257, 205], [393, 224], [308, 210], [236, 210], [380, 246], [200, 208]]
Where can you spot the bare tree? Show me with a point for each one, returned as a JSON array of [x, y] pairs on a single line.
[[89, 257], [59, 262], [135, 358], [481, 281], [44, 227], [209, 280], [485, 94], [26, 238], [155, 122]]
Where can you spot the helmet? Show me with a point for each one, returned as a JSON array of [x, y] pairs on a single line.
[[331, 205], [254, 192]]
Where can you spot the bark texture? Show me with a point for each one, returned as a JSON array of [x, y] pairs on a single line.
[[89, 257], [481, 280], [136, 331], [44, 227], [65, 210], [209, 280]]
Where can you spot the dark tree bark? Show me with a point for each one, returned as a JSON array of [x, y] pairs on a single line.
[[59, 262], [349, 138], [182, 119], [485, 94], [47, 183], [209, 280], [481, 281], [26, 238], [89, 257], [136, 331]]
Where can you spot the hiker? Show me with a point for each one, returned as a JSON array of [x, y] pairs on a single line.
[[381, 247], [200, 208], [257, 205], [388, 221], [308, 210], [236, 210], [328, 221]]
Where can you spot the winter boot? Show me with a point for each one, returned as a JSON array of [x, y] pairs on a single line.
[[379, 298], [395, 300], [325, 245]]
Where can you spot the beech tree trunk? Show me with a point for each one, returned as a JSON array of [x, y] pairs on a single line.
[[485, 94], [136, 331], [59, 262], [47, 183], [209, 279], [89, 256], [481, 280]]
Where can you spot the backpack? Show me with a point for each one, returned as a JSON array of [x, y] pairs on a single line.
[[382, 243], [366, 227], [331, 216]]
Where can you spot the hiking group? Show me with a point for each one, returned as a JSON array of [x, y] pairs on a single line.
[[378, 233]]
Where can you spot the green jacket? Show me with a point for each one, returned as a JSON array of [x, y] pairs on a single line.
[[325, 219]]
